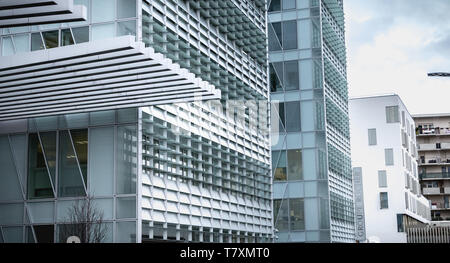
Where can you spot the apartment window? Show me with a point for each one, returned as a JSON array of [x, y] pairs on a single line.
[[384, 200], [293, 116], [289, 35], [275, 5], [291, 81], [280, 214], [403, 119], [392, 114], [382, 179], [406, 201], [297, 214], [295, 170], [400, 227], [389, 156], [372, 136], [288, 4], [276, 76], [278, 117], [279, 165], [283, 35]]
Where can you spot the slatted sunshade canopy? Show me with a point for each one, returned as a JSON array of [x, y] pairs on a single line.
[[439, 74], [94, 76], [14, 13]]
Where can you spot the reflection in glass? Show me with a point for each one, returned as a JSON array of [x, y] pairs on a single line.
[[80, 142], [9, 181], [7, 46], [276, 76], [69, 178], [81, 34], [126, 159], [49, 142], [295, 170], [102, 11], [291, 81], [101, 158], [289, 35], [275, 5], [127, 28], [280, 214], [51, 39], [293, 116], [103, 31], [126, 207], [126, 8], [297, 214], [36, 42], [279, 165], [22, 43], [39, 185], [66, 38]]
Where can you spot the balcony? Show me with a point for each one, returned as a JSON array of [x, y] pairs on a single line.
[[440, 206], [434, 176], [438, 131], [433, 191], [433, 146], [434, 162]]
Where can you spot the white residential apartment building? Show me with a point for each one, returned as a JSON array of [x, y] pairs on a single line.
[[433, 138], [384, 147]]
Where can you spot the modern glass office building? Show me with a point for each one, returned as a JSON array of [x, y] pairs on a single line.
[[312, 191], [99, 123]]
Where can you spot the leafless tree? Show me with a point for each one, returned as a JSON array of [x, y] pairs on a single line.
[[85, 221]]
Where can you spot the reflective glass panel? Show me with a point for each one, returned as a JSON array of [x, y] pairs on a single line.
[[36, 42], [66, 37], [291, 81], [103, 11], [103, 31], [48, 140], [51, 39], [126, 159], [127, 28], [295, 171], [293, 116], [69, 180], [80, 143], [126, 8], [297, 214], [7, 46], [22, 43], [39, 185], [81, 34]]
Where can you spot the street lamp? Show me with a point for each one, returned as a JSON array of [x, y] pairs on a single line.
[[439, 74]]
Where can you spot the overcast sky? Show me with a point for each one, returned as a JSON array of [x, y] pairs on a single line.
[[393, 44]]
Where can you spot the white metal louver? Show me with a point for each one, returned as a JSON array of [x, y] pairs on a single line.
[[15, 13], [97, 75]]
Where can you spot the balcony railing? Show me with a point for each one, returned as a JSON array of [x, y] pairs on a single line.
[[439, 206], [425, 176], [433, 146], [433, 191], [434, 131], [436, 161]]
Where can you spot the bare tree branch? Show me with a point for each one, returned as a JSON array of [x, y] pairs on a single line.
[[85, 221]]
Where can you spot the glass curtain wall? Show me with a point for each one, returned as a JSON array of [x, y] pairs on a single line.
[[301, 210], [60, 162]]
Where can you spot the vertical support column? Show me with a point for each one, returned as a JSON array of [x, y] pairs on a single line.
[[139, 172]]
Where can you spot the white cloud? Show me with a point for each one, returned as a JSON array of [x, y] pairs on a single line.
[[393, 54]]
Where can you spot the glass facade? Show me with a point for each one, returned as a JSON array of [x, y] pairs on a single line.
[[196, 172], [106, 19], [313, 200], [67, 158]]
